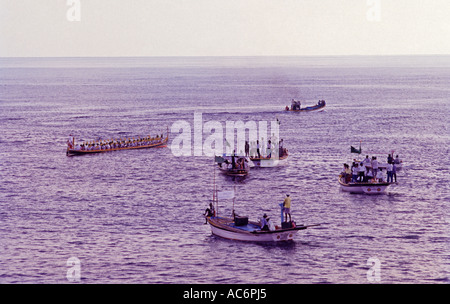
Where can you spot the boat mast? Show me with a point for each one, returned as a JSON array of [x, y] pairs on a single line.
[[215, 199], [234, 198]]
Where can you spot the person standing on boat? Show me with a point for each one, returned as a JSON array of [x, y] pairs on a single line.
[[70, 142], [361, 171], [233, 161], [389, 169], [354, 172], [209, 212], [366, 161], [257, 149], [280, 148], [287, 208], [390, 159], [374, 166], [394, 172], [247, 149]]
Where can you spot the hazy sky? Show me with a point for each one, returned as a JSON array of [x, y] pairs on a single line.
[[223, 27]]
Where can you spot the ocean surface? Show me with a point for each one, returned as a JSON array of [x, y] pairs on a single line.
[[136, 216]]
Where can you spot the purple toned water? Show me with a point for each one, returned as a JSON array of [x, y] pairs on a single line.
[[136, 216]]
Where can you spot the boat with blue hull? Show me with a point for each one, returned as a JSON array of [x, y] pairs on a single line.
[[296, 106]]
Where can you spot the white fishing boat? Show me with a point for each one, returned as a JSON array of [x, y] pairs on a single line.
[[241, 229], [363, 187]]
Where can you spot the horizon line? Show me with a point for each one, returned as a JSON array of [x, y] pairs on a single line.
[[229, 56]]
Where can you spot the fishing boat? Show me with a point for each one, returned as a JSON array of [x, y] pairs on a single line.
[[73, 150], [362, 187], [241, 229], [234, 165], [366, 183], [296, 106]]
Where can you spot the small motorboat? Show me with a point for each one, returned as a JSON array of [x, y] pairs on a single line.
[[296, 106]]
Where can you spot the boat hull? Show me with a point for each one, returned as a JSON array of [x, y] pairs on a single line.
[[225, 228], [364, 188], [234, 172], [73, 152], [308, 109], [269, 162]]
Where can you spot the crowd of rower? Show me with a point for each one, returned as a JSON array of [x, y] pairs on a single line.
[[256, 150], [369, 170], [114, 143]]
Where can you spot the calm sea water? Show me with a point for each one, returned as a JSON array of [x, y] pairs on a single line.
[[136, 216]]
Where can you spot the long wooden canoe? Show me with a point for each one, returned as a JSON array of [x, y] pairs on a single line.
[[160, 143]]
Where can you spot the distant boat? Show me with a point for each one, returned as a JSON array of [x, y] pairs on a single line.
[[296, 106], [153, 143]]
